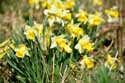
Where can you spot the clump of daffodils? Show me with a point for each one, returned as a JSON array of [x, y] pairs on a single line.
[[65, 30]]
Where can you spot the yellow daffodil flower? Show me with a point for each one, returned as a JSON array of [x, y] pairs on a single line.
[[57, 11], [51, 19], [54, 11], [69, 4], [112, 13], [87, 62], [60, 42], [95, 19], [82, 16], [75, 30], [31, 2], [84, 44], [48, 35], [39, 28], [21, 51], [67, 16], [87, 45], [59, 4], [98, 2], [111, 62], [67, 48], [30, 33], [53, 7], [44, 4], [49, 3]]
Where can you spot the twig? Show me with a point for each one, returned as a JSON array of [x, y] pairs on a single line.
[[109, 47], [119, 32], [53, 68], [64, 75]]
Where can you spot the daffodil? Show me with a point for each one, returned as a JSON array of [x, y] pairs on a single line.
[[44, 4], [31, 2], [54, 6], [60, 42], [51, 19], [111, 62], [48, 34], [59, 4], [69, 4], [75, 30], [30, 33], [82, 16], [95, 19], [21, 51], [39, 28], [67, 48], [98, 2], [67, 16], [87, 62], [49, 3], [55, 13], [112, 15], [34, 3], [84, 44]]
